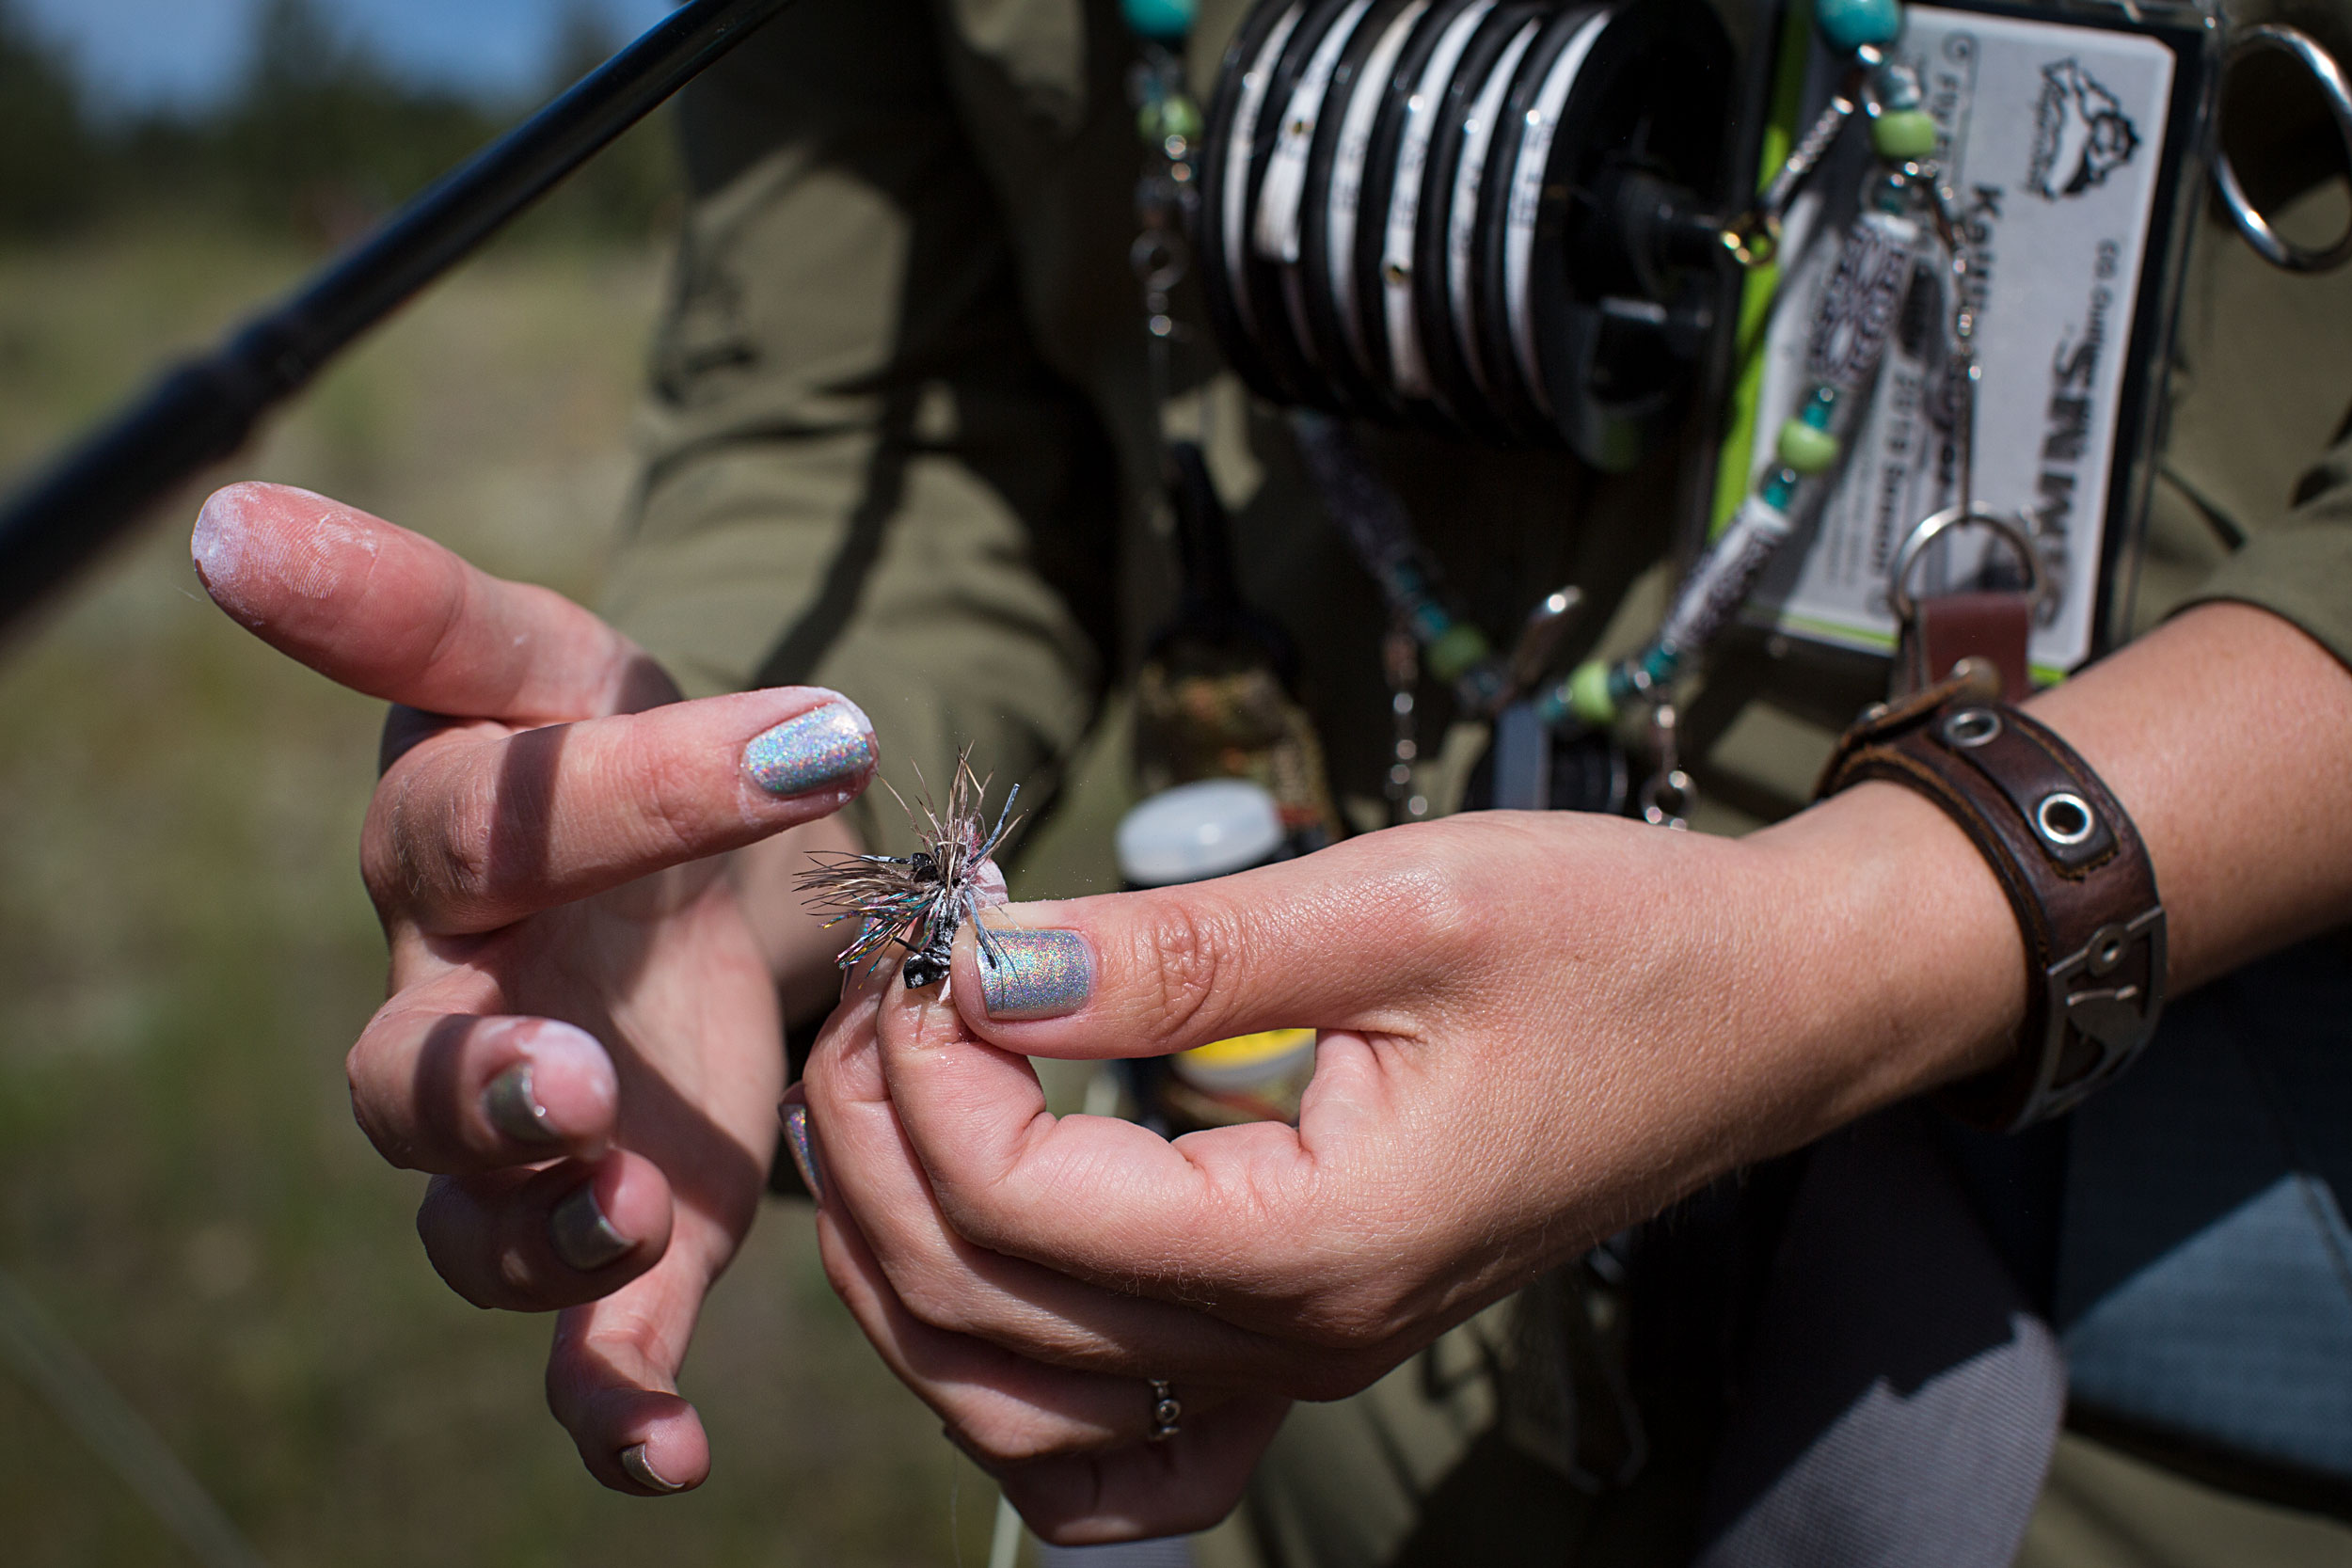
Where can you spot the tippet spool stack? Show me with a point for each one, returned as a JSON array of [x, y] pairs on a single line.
[[1486, 216]]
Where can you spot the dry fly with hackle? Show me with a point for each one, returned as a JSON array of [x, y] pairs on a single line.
[[920, 901]]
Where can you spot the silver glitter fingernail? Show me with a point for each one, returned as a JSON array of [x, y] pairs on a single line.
[[641, 1470], [829, 745], [514, 1108], [1037, 974], [581, 1234], [803, 1152]]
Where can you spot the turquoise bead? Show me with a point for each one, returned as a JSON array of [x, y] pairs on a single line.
[[1846, 25], [1162, 20]]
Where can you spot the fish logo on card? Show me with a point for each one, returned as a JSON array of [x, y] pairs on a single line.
[[2081, 132]]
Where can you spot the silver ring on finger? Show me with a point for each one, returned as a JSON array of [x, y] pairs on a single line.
[[1167, 1412]]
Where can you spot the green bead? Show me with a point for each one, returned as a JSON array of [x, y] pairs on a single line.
[[1162, 20], [1904, 135], [1588, 695], [1846, 25], [1806, 449], [1456, 652], [1181, 117]]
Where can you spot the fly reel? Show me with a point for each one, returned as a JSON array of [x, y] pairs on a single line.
[[1484, 216]]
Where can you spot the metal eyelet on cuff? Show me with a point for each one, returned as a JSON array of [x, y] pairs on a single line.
[[2064, 819], [1972, 727]]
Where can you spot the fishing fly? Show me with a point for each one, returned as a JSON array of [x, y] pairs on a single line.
[[919, 901]]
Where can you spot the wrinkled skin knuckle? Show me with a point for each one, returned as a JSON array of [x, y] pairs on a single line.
[[1185, 947], [455, 855], [1437, 895], [668, 799]]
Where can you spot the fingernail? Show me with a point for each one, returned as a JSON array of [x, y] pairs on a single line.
[[803, 1152], [827, 745], [1035, 975], [582, 1236], [515, 1110], [641, 1470]]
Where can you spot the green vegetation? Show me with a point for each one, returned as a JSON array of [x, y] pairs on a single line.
[[185, 951], [320, 140]]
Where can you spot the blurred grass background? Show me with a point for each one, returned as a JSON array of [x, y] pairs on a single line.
[[185, 950]]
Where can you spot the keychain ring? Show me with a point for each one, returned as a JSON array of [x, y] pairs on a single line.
[[2268, 242], [2011, 530]]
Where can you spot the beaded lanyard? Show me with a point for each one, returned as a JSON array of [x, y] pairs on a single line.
[[1843, 356]]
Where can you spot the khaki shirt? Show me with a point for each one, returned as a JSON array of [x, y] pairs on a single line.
[[899, 441]]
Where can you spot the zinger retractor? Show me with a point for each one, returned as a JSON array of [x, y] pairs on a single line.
[[1484, 216]]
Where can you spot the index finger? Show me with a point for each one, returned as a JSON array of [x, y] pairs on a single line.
[[392, 614]]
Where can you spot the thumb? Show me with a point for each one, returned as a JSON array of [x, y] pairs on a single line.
[[1353, 937]]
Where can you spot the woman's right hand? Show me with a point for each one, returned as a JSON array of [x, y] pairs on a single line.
[[581, 1042]]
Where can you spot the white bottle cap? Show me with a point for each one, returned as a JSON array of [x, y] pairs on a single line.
[[1198, 831]]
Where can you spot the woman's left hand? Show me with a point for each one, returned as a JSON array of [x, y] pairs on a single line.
[[1535, 1029]]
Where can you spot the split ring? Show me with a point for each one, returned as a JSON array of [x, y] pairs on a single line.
[[2328, 77], [2013, 531]]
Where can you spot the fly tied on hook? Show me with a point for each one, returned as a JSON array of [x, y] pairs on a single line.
[[919, 901]]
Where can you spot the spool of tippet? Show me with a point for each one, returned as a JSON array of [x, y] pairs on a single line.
[[1479, 216], [1243, 84], [1389, 208], [1324, 299], [1442, 237]]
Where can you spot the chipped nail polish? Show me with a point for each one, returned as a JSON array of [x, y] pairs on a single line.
[[515, 1110], [803, 1152], [827, 745], [1037, 974], [581, 1234], [641, 1470]]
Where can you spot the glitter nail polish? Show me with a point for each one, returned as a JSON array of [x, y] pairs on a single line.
[[1038, 974], [513, 1107], [803, 1152], [581, 1234], [827, 745], [641, 1470]]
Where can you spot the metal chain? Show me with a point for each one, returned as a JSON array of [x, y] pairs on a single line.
[[1165, 197], [1400, 656], [1754, 237]]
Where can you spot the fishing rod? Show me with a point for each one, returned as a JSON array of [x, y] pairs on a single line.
[[201, 411]]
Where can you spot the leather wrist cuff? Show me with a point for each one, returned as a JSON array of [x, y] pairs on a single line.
[[2075, 871]]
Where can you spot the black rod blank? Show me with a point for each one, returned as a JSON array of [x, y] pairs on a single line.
[[200, 412]]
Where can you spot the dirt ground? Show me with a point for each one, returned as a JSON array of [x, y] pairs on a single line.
[[185, 953]]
